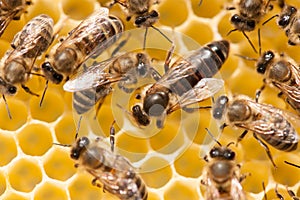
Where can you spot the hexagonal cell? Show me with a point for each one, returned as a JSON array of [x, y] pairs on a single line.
[[51, 109], [48, 7], [253, 182], [207, 9], [19, 114], [77, 10], [58, 164], [35, 139], [193, 30], [189, 164], [156, 172], [14, 196], [169, 139], [81, 188], [181, 190], [280, 174], [24, 175], [50, 191], [167, 11], [2, 183], [8, 150], [65, 130]]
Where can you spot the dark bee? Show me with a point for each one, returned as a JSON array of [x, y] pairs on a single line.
[[289, 21], [188, 81], [282, 72], [249, 14], [11, 10], [269, 123], [221, 175], [28, 44], [95, 33], [95, 83], [114, 172]]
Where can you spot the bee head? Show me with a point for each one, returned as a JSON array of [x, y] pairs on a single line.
[[80, 145], [140, 116], [286, 16], [156, 103], [222, 153], [242, 24], [7, 88], [147, 19], [51, 74], [219, 107], [264, 61]]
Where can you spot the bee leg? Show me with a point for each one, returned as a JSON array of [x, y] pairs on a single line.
[[292, 194], [241, 137], [100, 102], [266, 149], [251, 44], [169, 57], [94, 183], [278, 194], [112, 136], [258, 92], [222, 127], [120, 45], [230, 8], [29, 91], [191, 110], [6, 105], [145, 36]]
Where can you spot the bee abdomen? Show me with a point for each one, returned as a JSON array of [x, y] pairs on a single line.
[[283, 144]]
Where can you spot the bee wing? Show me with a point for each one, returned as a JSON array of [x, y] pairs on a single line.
[[212, 191], [236, 191], [204, 89], [91, 77], [273, 122], [5, 20]]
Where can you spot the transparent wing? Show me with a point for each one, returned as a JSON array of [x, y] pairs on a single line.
[[93, 76], [204, 89], [271, 121], [237, 192], [4, 21]]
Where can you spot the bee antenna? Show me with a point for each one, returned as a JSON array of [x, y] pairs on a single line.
[[230, 143], [44, 92], [164, 35], [145, 35], [246, 57], [249, 41], [264, 188], [6, 105], [213, 137], [78, 127], [36, 74], [292, 164], [200, 3], [63, 145], [233, 30]]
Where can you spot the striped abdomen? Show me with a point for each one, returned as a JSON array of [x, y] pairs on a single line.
[[203, 63]]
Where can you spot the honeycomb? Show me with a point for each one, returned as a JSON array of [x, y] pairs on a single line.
[[171, 160]]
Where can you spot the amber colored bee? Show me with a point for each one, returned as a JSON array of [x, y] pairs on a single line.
[[187, 82], [265, 121], [280, 71], [11, 10], [289, 21], [96, 33], [114, 173], [249, 14], [28, 44], [221, 175], [95, 83]]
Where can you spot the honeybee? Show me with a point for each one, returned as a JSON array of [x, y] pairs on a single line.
[[280, 71], [11, 10], [249, 14], [114, 172], [144, 17], [289, 21], [221, 175], [265, 121], [28, 44], [95, 83], [92, 36], [187, 82]]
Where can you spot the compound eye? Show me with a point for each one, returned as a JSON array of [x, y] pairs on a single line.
[[229, 155], [269, 55], [58, 77], [12, 90], [235, 19], [218, 113], [46, 66], [284, 21], [154, 13], [139, 21], [155, 104], [83, 142], [214, 153], [251, 24]]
